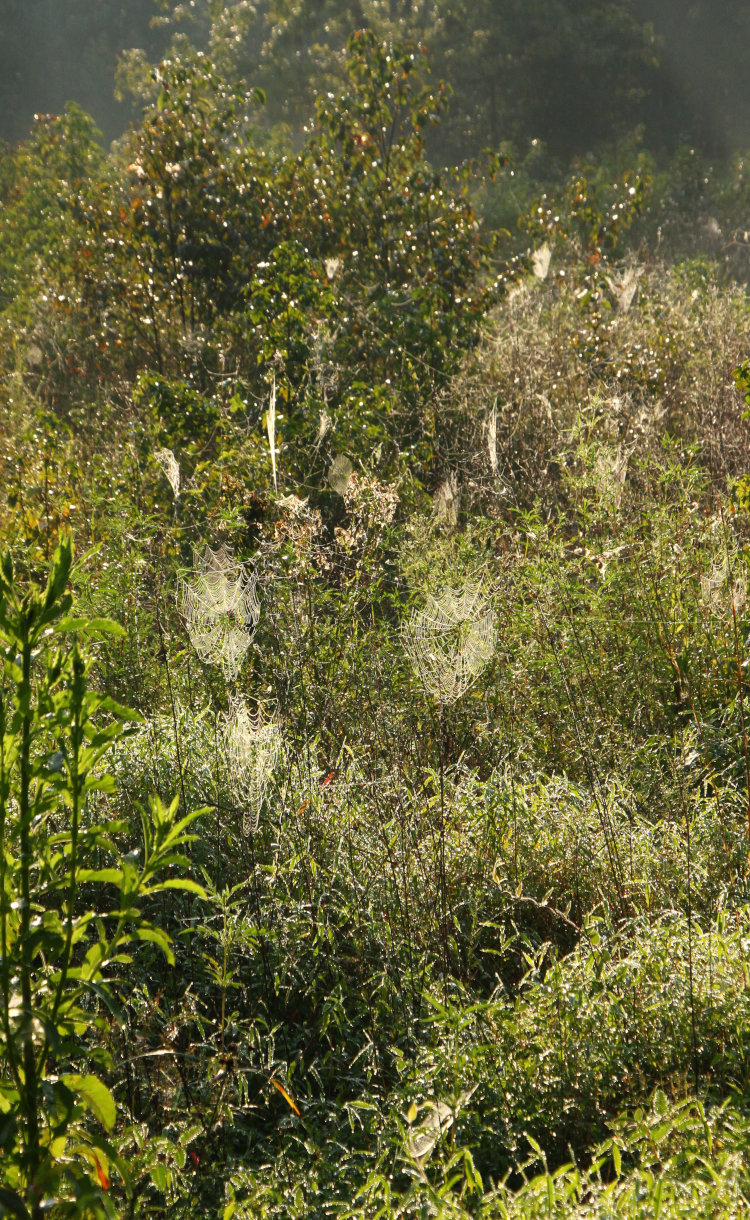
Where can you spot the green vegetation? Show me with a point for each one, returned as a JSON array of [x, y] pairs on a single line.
[[411, 513]]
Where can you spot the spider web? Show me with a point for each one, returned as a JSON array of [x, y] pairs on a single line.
[[220, 607], [168, 463], [451, 640], [610, 474], [720, 590], [252, 750]]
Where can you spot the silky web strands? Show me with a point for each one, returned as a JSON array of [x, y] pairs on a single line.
[[451, 640], [168, 463], [220, 606], [610, 474], [252, 749], [722, 592], [339, 473]]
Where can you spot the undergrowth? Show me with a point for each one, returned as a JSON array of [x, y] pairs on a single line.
[[472, 944]]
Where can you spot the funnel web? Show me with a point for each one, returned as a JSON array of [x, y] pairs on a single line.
[[610, 474], [220, 607], [168, 463], [253, 747], [540, 261], [450, 641]]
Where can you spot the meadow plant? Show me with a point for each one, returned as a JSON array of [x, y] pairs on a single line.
[[449, 642], [60, 954]]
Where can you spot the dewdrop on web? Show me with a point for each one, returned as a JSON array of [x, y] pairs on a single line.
[[451, 640], [220, 608]]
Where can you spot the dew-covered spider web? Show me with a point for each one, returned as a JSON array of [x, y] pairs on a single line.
[[610, 474], [451, 640], [220, 607], [168, 463], [252, 750], [722, 592]]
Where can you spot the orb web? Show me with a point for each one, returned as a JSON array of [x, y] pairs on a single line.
[[252, 750], [220, 607], [450, 640]]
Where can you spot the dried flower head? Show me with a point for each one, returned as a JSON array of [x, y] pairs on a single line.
[[168, 462], [451, 640], [220, 607], [371, 506], [253, 746]]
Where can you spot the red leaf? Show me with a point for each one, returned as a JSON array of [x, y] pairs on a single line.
[[101, 1174]]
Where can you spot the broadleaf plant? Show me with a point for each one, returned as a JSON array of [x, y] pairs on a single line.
[[61, 948]]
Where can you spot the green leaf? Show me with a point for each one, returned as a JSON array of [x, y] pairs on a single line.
[[95, 1096], [100, 874], [13, 1203], [110, 705], [160, 1177], [617, 1159], [656, 1201], [90, 626], [180, 883], [156, 937]]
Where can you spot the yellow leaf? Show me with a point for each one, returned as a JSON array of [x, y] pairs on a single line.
[[285, 1095]]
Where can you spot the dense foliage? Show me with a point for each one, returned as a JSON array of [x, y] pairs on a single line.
[[411, 519], [570, 75]]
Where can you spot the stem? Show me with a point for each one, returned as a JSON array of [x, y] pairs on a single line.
[[29, 1092], [76, 739], [689, 861], [740, 679], [172, 704], [443, 881], [10, 1048]]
